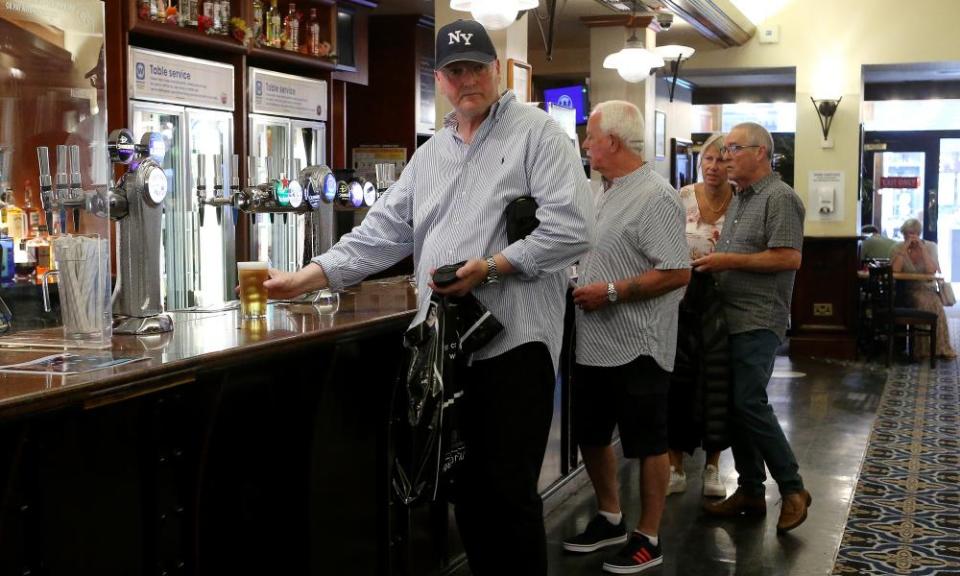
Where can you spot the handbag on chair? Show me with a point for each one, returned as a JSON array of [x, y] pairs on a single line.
[[945, 289]]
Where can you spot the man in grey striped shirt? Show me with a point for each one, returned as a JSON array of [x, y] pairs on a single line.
[[448, 206], [630, 289], [757, 256]]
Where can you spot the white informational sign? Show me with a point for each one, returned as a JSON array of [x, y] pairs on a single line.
[[160, 77], [287, 96], [825, 196]]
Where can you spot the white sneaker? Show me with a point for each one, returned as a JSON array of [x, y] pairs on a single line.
[[678, 481], [712, 486]]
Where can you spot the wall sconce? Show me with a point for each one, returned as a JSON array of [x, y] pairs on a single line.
[[826, 108], [674, 54], [633, 62], [494, 14]]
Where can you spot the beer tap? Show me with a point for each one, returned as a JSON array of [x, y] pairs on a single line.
[[278, 195], [62, 186], [74, 196], [136, 202], [201, 185], [48, 197], [218, 200]]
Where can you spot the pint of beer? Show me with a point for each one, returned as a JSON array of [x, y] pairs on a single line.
[[253, 296]]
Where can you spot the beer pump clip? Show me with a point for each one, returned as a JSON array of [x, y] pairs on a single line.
[[136, 203], [354, 191], [313, 186]]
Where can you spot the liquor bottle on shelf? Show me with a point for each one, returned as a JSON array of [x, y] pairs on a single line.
[[291, 25], [38, 250], [257, 23], [30, 211], [14, 218], [6, 257], [313, 34], [225, 16], [159, 12], [190, 12], [273, 25]]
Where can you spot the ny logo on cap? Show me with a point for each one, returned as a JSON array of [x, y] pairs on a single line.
[[456, 36]]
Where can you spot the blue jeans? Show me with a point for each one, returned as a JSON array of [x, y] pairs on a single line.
[[757, 436]]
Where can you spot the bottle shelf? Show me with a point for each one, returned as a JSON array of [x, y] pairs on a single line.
[[190, 36], [266, 54]]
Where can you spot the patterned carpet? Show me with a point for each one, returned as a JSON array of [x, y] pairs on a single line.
[[905, 515]]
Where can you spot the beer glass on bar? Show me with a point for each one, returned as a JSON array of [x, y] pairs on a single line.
[[253, 295]]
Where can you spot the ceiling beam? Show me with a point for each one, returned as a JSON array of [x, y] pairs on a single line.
[[622, 20], [719, 21]]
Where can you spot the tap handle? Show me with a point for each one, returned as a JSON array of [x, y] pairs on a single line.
[[76, 179], [62, 168], [201, 171], [235, 172], [253, 166], [43, 160], [217, 172]]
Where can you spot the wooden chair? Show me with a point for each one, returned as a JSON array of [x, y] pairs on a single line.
[[889, 321]]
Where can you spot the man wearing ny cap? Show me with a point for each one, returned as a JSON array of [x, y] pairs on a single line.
[[448, 206]]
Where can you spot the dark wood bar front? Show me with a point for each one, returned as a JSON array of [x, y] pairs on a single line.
[[236, 447]]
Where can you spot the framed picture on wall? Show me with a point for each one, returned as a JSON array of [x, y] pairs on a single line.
[[519, 76], [660, 134]]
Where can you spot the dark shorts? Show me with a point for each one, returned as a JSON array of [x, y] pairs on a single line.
[[632, 397]]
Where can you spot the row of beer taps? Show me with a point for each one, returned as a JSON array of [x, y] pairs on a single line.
[[64, 190], [312, 187]]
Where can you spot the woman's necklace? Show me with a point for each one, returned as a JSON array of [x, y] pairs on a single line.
[[723, 205]]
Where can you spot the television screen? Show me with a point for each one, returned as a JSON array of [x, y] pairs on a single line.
[[569, 97]]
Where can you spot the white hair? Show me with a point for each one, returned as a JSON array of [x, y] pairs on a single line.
[[715, 141], [758, 136], [623, 120]]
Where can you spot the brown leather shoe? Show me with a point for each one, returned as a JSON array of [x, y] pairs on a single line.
[[793, 510], [738, 504]]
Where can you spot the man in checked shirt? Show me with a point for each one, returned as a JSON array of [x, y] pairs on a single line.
[[757, 256], [630, 290], [448, 206]]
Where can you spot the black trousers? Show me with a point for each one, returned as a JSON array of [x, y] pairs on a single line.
[[507, 409]]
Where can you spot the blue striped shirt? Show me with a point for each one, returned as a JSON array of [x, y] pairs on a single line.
[[448, 206], [640, 227]]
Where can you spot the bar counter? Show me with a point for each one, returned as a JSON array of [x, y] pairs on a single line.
[[202, 340], [236, 447]]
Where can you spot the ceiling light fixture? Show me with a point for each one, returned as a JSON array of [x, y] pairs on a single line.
[[494, 14], [633, 62], [675, 54]]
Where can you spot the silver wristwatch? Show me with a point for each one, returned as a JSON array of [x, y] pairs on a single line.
[[493, 275], [611, 292]]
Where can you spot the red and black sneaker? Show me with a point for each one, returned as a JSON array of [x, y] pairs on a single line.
[[637, 555]]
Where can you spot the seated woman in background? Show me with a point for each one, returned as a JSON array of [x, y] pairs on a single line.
[[920, 257]]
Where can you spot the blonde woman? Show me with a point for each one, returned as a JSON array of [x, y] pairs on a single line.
[[698, 402], [919, 256]]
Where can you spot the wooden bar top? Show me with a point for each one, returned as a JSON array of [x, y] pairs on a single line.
[[201, 341]]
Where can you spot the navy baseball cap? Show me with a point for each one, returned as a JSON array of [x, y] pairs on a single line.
[[464, 40]]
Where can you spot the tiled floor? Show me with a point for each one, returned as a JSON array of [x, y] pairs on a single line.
[[827, 415]]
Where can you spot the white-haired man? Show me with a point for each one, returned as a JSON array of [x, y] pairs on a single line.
[[630, 288], [757, 256]]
